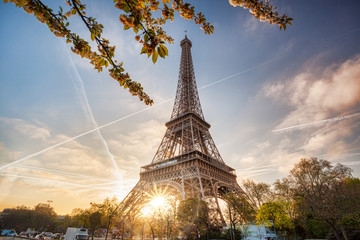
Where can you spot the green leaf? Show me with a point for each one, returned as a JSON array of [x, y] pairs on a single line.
[[165, 49], [161, 52], [73, 11], [126, 8], [126, 27], [92, 36], [146, 37], [20, 3], [143, 50], [155, 56]]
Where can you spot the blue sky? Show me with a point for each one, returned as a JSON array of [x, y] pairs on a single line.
[[272, 98]]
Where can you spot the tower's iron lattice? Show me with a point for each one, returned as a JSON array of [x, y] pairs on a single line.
[[187, 161]]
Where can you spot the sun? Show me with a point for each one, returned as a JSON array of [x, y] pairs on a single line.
[[157, 204]]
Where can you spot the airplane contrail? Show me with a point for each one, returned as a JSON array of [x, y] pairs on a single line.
[[42, 179], [125, 117], [89, 114], [78, 136], [62, 173], [236, 74], [86, 187], [311, 124]]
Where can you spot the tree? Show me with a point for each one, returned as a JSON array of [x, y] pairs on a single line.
[[320, 187], [95, 222], [109, 209], [275, 214], [282, 192], [239, 211], [18, 218], [80, 217], [244, 211], [192, 215], [256, 193], [138, 16], [63, 223], [349, 202], [344, 206], [44, 216]]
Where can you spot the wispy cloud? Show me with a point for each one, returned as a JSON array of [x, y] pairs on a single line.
[[29, 130], [316, 123]]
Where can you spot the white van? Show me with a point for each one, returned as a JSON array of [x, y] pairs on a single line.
[[257, 232], [76, 234]]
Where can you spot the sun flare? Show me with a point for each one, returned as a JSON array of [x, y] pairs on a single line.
[[158, 203]]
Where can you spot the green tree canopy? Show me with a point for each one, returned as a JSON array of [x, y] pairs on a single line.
[[274, 214]]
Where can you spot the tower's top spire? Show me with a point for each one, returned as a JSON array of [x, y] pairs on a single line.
[[187, 97]]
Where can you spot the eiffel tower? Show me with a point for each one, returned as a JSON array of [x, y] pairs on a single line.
[[187, 162]]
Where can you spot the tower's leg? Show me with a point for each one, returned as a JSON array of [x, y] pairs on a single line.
[[200, 183], [217, 204], [183, 184]]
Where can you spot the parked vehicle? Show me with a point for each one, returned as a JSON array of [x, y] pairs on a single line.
[[56, 236], [47, 234], [257, 232], [30, 232], [76, 234], [8, 232]]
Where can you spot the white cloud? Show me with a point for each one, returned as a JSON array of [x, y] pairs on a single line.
[[28, 130], [336, 92], [341, 90], [6, 154]]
